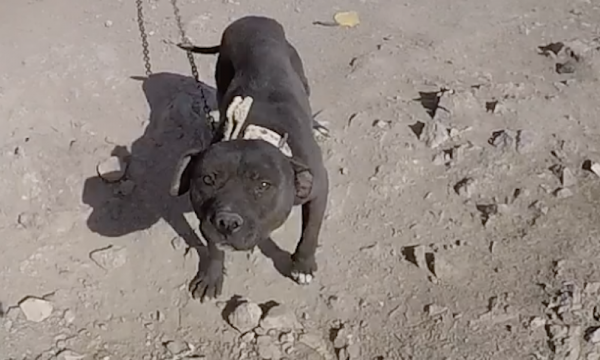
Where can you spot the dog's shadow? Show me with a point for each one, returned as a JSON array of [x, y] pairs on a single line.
[[176, 123]]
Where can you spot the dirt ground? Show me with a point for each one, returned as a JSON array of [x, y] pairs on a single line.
[[464, 225]]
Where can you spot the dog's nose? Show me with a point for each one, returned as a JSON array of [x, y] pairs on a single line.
[[228, 222]]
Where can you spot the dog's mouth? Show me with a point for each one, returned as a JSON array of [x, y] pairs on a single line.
[[243, 241]]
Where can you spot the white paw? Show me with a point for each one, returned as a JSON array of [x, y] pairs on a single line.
[[301, 278]]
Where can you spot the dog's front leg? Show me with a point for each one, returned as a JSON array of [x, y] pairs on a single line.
[[304, 264], [208, 282]]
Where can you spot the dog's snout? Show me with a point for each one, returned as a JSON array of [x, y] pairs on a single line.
[[228, 222]]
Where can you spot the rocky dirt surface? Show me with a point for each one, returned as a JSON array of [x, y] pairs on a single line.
[[464, 157]]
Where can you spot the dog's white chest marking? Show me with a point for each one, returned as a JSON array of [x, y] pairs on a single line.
[[236, 115]]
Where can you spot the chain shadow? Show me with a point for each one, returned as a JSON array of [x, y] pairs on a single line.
[[176, 123]]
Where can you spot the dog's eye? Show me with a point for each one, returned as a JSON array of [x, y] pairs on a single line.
[[264, 185], [208, 180]]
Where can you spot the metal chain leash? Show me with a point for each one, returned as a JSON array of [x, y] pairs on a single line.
[[144, 36], [190, 56]]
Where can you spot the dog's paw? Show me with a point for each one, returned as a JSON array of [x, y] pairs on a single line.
[[303, 270], [208, 283]]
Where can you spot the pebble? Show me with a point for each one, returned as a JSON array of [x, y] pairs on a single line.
[[69, 355], [501, 139], [108, 23], [434, 134], [525, 141], [28, 220], [110, 258], [537, 322], [316, 343], [35, 309], [176, 347], [594, 336], [563, 193], [381, 124], [567, 178], [245, 317], [248, 337], [341, 338], [112, 169], [465, 187], [595, 168], [281, 318], [434, 309], [69, 316]]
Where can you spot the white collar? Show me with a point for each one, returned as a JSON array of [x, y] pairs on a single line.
[[236, 115]]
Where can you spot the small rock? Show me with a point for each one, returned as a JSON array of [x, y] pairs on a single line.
[[487, 211], [501, 139], [69, 316], [245, 317], [28, 220], [539, 207], [112, 169], [248, 337], [434, 309], [381, 124], [176, 347], [568, 67], [108, 23], [595, 168], [267, 349], [567, 178], [69, 355], [593, 335], [536, 322], [318, 344], [36, 310], [281, 318], [525, 141], [341, 338], [419, 256], [434, 134], [110, 258], [465, 187], [563, 193]]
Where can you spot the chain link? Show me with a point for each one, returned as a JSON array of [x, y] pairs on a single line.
[[144, 36], [190, 56]]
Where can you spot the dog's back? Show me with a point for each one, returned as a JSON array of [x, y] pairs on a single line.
[[247, 39]]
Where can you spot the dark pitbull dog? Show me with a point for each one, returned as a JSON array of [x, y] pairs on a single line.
[[242, 190]]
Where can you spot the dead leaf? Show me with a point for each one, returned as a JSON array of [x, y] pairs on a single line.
[[347, 18]]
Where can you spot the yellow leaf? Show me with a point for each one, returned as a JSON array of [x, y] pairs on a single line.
[[347, 18]]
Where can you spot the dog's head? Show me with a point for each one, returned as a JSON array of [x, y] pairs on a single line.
[[241, 190]]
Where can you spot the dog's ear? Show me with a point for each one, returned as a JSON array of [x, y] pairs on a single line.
[[183, 172], [303, 181]]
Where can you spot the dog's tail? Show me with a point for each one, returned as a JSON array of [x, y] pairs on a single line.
[[200, 50]]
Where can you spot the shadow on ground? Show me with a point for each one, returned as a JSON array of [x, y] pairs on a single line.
[[176, 124]]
